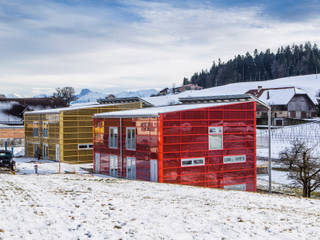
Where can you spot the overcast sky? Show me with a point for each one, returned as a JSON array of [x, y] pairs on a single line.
[[129, 44]]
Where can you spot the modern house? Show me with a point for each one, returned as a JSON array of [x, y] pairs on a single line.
[[211, 144], [65, 134], [288, 105]]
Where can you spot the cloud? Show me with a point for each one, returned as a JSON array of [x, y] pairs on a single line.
[[130, 44]]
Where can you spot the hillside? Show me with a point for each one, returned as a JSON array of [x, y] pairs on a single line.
[[288, 61], [82, 206], [309, 83]]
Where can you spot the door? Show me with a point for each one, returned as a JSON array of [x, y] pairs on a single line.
[[57, 152], [153, 170], [45, 151], [131, 167], [113, 166], [97, 162]]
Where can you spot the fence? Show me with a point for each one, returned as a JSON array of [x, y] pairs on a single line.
[[308, 133]]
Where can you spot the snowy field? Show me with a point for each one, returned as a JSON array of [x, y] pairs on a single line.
[[82, 206]]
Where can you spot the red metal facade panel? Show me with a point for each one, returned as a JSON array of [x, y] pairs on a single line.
[[185, 136], [146, 149]]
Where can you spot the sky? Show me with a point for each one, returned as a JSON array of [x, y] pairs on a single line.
[[129, 44]]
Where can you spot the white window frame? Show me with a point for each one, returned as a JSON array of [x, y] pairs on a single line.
[[230, 159], [131, 143], [191, 162], [113, 141], [85, 146], [238, 187], [35, 123], [45, 129], [218, 131], [132, 167]]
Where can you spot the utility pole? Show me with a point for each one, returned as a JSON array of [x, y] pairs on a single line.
[[269, 148]]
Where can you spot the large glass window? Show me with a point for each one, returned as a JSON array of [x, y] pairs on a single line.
[[113, 165], [35, 129], [45, 129], [113, 137], [215, 138], [131, 138]]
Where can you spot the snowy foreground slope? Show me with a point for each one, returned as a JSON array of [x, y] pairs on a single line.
[[74, 206]]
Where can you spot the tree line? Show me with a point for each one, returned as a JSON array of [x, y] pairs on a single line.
[[287, 61]]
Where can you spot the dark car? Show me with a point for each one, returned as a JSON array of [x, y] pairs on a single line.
[[6, 161]]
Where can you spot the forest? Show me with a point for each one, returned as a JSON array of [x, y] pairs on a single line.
[[287, 61]]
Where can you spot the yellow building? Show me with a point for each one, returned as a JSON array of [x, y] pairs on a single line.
[[65, 134]]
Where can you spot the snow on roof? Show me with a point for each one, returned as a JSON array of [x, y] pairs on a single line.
[[277, 96], [280, 96], [155, 111], [58, 110]]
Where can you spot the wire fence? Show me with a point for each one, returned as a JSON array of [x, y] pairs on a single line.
[[308, 133]]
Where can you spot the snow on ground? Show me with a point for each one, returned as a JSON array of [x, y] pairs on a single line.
[[308, 83], [27, 166], [82, 206]]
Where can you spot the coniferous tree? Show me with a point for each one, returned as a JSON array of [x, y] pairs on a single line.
[[287, 61]]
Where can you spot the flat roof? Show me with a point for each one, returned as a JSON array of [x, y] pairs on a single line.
[[59, 110], [126, 100], [155, 111], [223, 98]]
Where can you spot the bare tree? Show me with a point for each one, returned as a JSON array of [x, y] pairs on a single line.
[[303, 166], [66, 93]]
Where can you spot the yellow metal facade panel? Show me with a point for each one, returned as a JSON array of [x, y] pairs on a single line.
[[67, 129], [41, 121], [78, 130]]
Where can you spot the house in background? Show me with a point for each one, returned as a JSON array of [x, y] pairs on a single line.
[[65, 134], [211, 144], [12, 109], [289, 105], [11, 116]]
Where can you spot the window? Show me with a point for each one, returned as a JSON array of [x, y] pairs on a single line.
[[45, 129], [190, 162], [45, 151], [36, 150], [113, 165], [215, 138], [85, 146], [241, 187], [35, 130], [131, 167], [234, 159], [113, 137], [131, 138]]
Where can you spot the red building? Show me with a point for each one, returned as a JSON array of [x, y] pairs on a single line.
[[206, 144]]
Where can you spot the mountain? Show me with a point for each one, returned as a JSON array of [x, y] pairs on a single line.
[[13, 95], [41, 96], [89, 96]]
